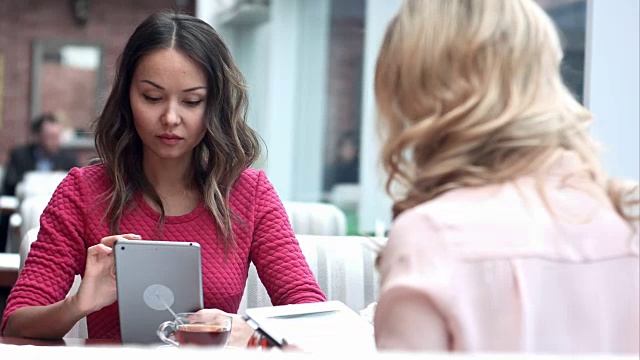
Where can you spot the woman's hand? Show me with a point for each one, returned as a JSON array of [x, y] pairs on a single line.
[[98, 286], [240, 331]]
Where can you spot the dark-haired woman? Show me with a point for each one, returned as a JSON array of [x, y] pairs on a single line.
[[175, 153]]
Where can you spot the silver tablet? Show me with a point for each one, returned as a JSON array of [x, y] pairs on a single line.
[[151, 276]]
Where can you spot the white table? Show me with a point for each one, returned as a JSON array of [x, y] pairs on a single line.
[[8, 204], [9, 268], [28, 352]]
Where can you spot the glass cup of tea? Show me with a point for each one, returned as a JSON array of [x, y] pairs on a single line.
[[196, 329]]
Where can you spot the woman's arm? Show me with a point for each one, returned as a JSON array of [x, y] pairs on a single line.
[[54, 259], [406, 320], [38, 305], [45, 322], [414, 272], [97, 290]]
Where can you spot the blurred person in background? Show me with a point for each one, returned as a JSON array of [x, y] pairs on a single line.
[[508, 235], [345, 168], [42, 154]]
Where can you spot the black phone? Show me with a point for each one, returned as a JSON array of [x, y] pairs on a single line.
[[262, 339]]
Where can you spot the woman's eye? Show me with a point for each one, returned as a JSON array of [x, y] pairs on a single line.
[[150, 98], [192, 102]]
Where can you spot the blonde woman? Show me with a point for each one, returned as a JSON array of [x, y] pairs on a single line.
[[507, 234]]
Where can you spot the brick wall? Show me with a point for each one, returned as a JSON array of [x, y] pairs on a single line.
[[22, 21], [70, 94]]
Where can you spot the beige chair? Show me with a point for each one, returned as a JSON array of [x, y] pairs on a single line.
[[39, 183], [308, 218], [26, 218], [345, 196], [31, 208], [32, 194], [344, 267], [25, 244]]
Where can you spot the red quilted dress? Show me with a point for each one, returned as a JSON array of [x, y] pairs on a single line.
[[72, 222]]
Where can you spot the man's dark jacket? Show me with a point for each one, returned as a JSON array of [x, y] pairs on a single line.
[[23, 159]]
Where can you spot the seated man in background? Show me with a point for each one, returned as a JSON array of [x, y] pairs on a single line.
[[43, 154]]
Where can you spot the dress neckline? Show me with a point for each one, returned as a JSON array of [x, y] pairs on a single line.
[[153, 214]]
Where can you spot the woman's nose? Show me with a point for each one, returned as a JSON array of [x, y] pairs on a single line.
[[171, 116]]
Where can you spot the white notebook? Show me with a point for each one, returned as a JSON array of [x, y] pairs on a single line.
[[315, 327]]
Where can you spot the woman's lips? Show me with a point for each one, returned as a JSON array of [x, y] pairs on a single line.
[[169, 139]]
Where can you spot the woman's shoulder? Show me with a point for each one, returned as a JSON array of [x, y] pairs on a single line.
[[458, 205], [253, 186], [249, 179], [95, 172], [94, 177], [252, 174]]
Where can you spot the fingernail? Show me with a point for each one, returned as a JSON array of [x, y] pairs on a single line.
[[137, 236]]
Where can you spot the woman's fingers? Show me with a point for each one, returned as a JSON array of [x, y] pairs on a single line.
[[98, 286], [104, 249], [110, 240], [99, 260], [100, 249], [212, 312]]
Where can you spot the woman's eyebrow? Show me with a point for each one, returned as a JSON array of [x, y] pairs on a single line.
[[194, 88], [152, 84], [161, 88]]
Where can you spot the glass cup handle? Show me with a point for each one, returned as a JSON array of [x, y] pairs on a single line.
[[163, 334]]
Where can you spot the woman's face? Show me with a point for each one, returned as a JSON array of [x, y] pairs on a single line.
[[168, 98]]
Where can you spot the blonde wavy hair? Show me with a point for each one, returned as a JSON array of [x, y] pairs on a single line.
[[469, 93]]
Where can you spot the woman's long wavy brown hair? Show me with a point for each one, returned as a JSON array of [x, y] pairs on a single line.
[[469, 93], [228, 147]]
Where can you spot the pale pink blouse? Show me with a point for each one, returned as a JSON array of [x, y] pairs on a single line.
[[492, 269]]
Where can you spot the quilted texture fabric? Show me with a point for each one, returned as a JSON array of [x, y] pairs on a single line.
[[72, 222]]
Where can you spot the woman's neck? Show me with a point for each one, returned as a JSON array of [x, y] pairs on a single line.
[[167, 174], [171, 179]]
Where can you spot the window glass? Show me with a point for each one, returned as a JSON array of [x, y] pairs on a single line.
[[570, 17]]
